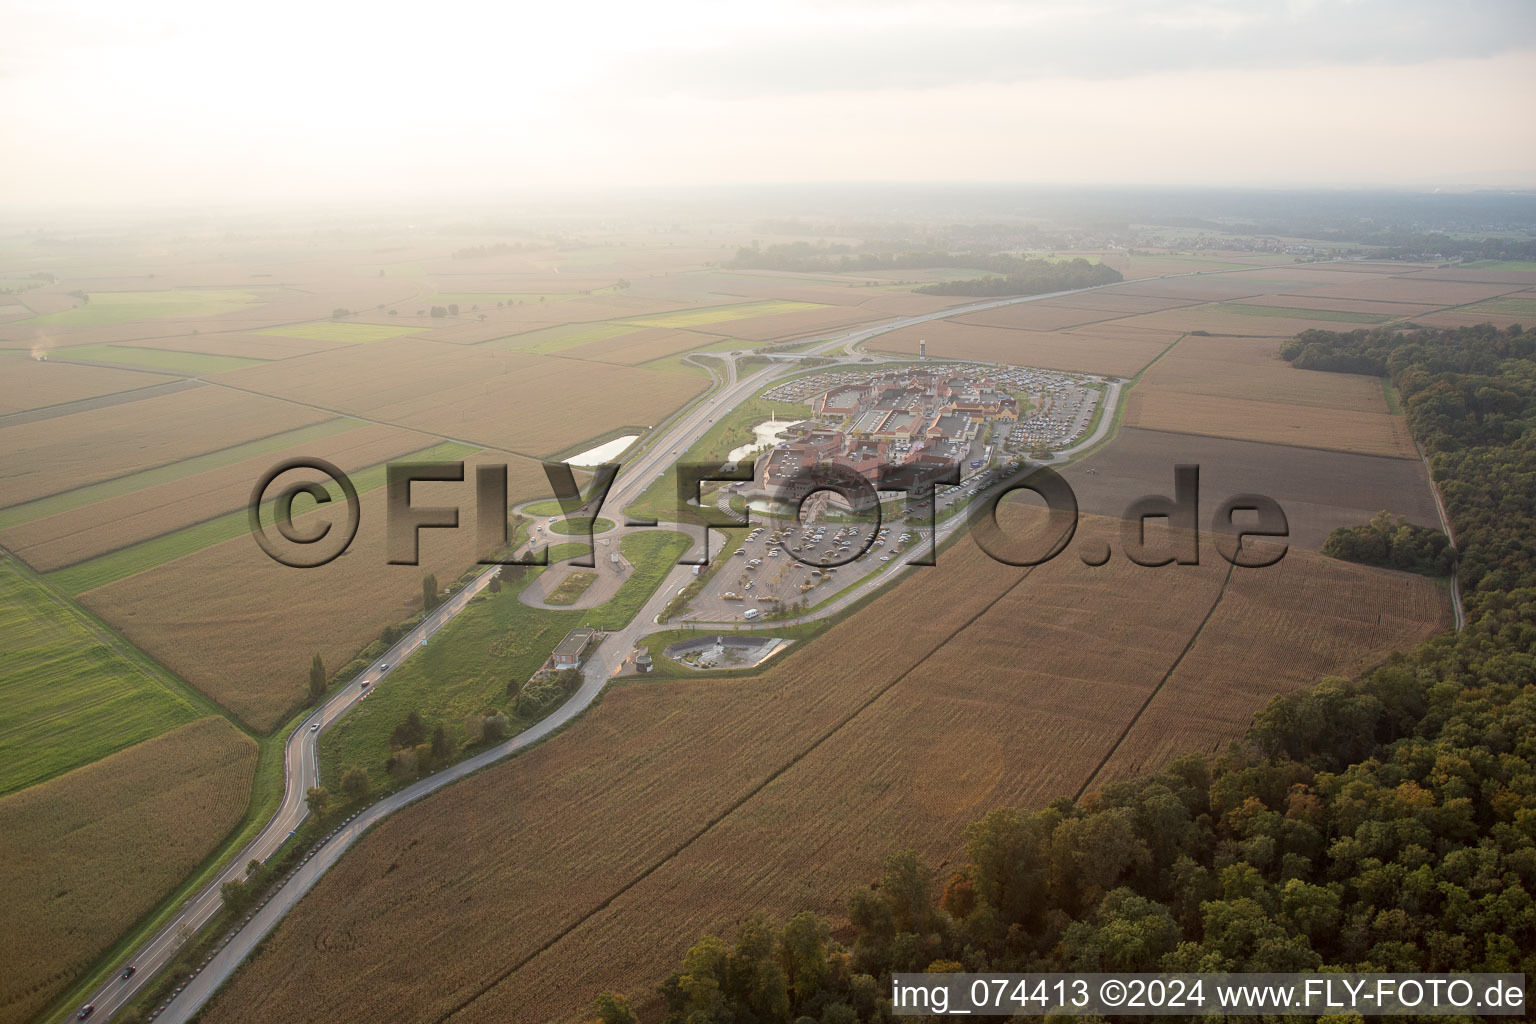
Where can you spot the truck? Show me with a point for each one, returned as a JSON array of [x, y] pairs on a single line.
[[750, 613]]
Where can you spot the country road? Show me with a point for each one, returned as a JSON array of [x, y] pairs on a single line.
[[300, 753]]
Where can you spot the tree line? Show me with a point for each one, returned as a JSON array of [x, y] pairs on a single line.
[[1381, 825], [1031, 277]]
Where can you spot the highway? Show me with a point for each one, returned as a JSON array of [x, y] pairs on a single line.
[[300, 752]]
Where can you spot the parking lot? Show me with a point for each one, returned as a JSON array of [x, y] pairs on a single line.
[[781, 564]]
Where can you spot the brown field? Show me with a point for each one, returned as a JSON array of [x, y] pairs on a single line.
[[1121, 356], [511, 401], [1487, 275], [1120, 302], [1309, 300], [236, 343], [1221, 321], [1205, 288], [1319, 490], [1468, 317], [911, 304], [81, 533], [1386, 268], [833, 319], [1037, 316], [776, 793], [32, 384], [1252, 368], [43, 458], [235, 642], [641, 346], [1240, 388], [1414, 289], [84, 855], [1294, 624], [1368, 433]]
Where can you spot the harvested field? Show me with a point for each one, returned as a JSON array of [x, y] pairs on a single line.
[[72, 693], [1467, 318], [1316, 305], [1240, 388], [83, 856], [43, 458], [167, 547], [32, 383], [227, 649], [1368, 433], [1241, 321], [82, 533], [777, 792], [1204, 289], [1122, 356], [566, 336], [188, 364], [1255, 308], [641, 346], [512, 401], [1414, 289], [910, 304], [1486, 271], [1119, 302], [721, 314], [1251, 368], [1277, 630], [79, 497], [337, 330], [125, 307], [240, 344], [1319, 490], [1045, 315], [1517, 304]]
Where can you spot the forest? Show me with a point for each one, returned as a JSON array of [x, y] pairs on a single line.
[[1393, 544], [1383, 824]]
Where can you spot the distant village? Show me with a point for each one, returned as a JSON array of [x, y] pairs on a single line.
[[933, 417]]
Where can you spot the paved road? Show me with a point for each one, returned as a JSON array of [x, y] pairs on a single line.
[[300, 752]]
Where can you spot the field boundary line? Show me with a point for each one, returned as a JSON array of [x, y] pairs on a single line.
[[380, 423], [107, 401], [735, 805], [1188, 646]]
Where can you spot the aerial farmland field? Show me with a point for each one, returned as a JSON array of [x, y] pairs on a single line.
[[508, 788], [776, 798], [88, 852]]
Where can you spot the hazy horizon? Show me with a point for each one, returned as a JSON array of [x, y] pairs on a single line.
[[175, 103]]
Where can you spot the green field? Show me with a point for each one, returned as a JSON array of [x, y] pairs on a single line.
[[1506, 305], [154, 358], [71, 696], [82, 496], [116, 565], [467, 665], [720, 314], [579, 526], [337, 330], [571, 588], [556, 339], [126, 307], [1337, 316]]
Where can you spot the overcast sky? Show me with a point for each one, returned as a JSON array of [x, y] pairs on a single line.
[[187, 100]]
